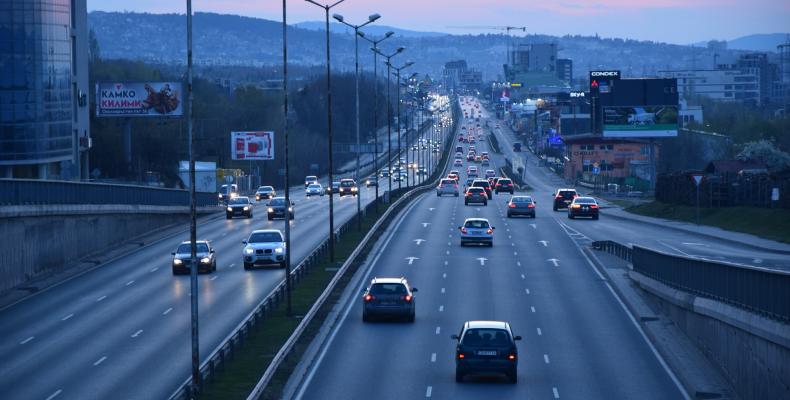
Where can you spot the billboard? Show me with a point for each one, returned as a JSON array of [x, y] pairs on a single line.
[[139, 99], [643, 121], [255, 145]]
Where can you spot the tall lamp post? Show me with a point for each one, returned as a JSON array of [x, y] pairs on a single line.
[[326, 8], [372, 18], [389, 109], [287, 175], [375, 44], [400, 150]]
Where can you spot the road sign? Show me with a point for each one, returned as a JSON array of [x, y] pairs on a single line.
[[697, 178], [596, 171]]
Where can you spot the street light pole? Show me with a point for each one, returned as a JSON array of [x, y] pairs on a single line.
[[389, 111], [287, 175], [376, 108], [400, 149], [193, 284], [326, 8], [356, 28]]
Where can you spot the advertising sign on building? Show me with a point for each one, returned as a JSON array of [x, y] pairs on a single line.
[[645, 121], [256, 145], [139, 99]]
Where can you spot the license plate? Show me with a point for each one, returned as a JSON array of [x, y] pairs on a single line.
[[486, 353], [567, 202]]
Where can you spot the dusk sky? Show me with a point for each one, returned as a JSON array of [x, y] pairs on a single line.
[[673, 21]]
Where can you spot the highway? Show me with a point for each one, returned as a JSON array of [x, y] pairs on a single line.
[[123, 330], [578, 340]]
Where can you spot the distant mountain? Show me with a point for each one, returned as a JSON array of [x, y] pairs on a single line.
[[373, 29], [759, 42]]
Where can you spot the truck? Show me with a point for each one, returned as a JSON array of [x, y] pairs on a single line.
[[517, 146]]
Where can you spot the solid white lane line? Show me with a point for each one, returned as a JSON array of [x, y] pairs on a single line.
[[27, 340], [546, 358], [136, 334], [428, 391], [99, 361], [154, 269], [441, 308], [442, 290], [532, 308], [53, 395], [214, 277], [130, 282], [556, 393], [101, 298], [540, 332], [438, 329], [67, 317], [167, 311], [433, 357]]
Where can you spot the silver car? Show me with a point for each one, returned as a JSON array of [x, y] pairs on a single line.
[[447, 186], [264, 247], [475, 195], [314, 189], [478, 231]]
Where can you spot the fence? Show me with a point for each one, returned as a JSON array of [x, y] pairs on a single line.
[[724, 190], [34, 192], [614, 248]]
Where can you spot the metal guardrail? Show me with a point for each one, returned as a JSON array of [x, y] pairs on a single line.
[[16, 192], [614, 248], [761, 290]]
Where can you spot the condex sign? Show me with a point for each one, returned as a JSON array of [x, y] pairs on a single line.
[[139, 99]]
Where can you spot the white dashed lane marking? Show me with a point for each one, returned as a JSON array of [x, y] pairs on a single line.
[[27, 340], [99, 361], [67, 317]]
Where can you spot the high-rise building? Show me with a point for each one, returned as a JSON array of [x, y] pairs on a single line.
[[452, 74], [565, 70], [44, 120], [717, 84], [536, 57]]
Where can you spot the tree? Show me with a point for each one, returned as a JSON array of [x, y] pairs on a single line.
[[766, 152]]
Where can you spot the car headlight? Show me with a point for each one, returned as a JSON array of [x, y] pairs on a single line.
[[220, 195], [177, 261], [290, 208], [270, 210], [353, 189], [249, 250], [246, 208], [279, 250], [234, 195], [205, 260], [230, 209]]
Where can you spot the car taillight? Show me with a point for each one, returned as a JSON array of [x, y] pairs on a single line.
[[407, 297], [490, 231], [558, 198], [468, 194], [574, 196], [368, 297], [594, 206], [512, 205], [576, 206], [461, 356], [511, 357], [498, 184], [531, 206], [463, 230]]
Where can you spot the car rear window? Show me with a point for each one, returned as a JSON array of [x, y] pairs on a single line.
[[585, 200], [501, 180], [265, 237], [567, 193], [477, 190], [448, 182], [185, 248], [522, 200], [476, 224], [388, 288], [482, 184], [486, 337]]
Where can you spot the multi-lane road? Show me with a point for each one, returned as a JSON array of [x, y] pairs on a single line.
[[123, 330]]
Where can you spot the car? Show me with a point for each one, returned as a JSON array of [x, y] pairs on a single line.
[[503, 185], [453, 176], [239, 206], [227, 192], [371, 181], [468, 183], [475, 195], [348, 187], [472, 149], [314, 189], [470, 157], [477, 231], [399, 178], [487, 347], [309, 180], [471, 170], [421, 171], [583, 207], [459, 149], [207, 261], [490, 173], [478, 159], [484, 154], [264, 247], [276, 208], [563, 197], [264, 192], [384, 173], [521, 205], [388, 297], [447, 186], [458, 155], [485, 185], [454, 172], [471, 140], [333, 189], [485, 162]]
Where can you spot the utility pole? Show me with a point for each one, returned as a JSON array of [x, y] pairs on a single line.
[[287, 175]]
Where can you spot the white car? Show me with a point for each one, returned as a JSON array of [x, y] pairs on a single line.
[[478, 231], [490, 173], [458, 163], [264, 247], [314, 189], [447, 186]]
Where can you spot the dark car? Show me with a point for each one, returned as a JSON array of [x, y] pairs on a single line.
[[240, 206], [276, 208], [348, 187], [372, 181], [388, 297], [486, 347], [503, 185], [521, 205], [563, 198], [483, 183], [583, 207], [475, 195], [265, 192], [206, 261]]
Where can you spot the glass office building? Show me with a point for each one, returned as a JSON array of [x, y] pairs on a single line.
[[38, 104]]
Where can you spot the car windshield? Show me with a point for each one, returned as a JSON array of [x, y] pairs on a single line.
[[264, 189], [486, 337], [347, 183], [388, 288], [584, 200], [239, 200], [476, 223], [311, 178], [184, 248], [277, 202], [314, 186], [265, 237]]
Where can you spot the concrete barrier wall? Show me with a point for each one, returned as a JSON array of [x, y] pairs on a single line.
[[751, 350], [36, 241]]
